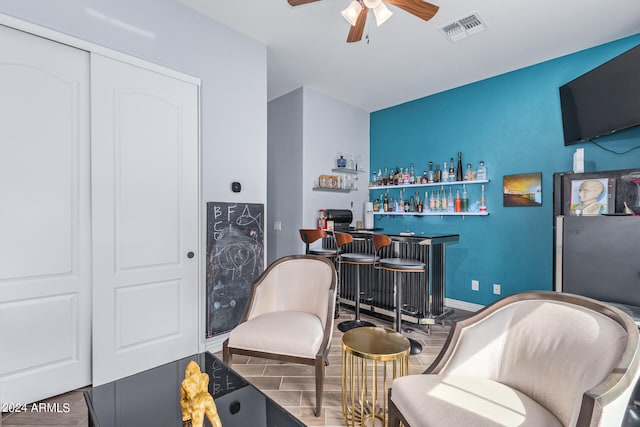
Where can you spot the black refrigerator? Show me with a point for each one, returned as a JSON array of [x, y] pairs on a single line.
[[597, 236]]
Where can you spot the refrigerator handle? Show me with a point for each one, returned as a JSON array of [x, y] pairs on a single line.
[[558, 251]]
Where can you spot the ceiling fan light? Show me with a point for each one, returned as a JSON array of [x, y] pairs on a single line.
[[352, 11], [372, 4], [382, 13]]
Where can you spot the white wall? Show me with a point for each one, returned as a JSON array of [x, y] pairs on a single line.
[[306, 129], [232, 68], [331, 126], [284, 186]]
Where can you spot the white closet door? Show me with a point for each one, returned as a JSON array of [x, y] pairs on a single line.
[[45, 240], [145, 218]]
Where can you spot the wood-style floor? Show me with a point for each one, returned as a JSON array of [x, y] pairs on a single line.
[[292, 386]]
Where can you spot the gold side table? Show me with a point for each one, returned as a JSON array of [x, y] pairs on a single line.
[[371, 358]]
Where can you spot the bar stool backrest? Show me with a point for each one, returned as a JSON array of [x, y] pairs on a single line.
[[380, 241], [342, 239], [310, 235]]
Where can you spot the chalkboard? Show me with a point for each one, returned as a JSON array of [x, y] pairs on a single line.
[[235, 258]]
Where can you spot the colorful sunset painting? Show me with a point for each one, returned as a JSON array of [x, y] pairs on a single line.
[[523, 189]]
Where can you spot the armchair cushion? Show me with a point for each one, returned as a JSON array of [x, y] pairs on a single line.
[[488, 403], [292, 333]]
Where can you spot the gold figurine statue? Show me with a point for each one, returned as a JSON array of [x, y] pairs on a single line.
[[195, 400]]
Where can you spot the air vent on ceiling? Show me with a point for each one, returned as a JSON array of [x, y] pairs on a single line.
[[463, 28]]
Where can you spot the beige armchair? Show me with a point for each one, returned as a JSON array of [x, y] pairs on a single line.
[[289, 316], [531, 359]]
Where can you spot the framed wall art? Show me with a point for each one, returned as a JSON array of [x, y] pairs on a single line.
[[524, 189]]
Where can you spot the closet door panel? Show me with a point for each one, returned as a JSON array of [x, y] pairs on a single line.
[[145, 215], [45, 244]]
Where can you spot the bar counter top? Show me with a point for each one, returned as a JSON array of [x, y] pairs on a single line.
[[422, 239]]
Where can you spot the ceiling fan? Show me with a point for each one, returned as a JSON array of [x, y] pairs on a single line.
[[356, 12]]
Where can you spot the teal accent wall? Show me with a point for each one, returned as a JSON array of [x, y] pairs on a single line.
[[513, 123]]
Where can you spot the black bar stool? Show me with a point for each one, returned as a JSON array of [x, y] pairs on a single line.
[[357, 259], [400, 267], [310, 235]]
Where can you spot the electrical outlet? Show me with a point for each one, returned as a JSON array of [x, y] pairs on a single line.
[[277, 225], [475, 285], [496, 289]]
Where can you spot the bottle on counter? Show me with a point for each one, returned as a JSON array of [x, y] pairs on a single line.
[[322, 220], [481, 173], [465, 199], [459, 176]]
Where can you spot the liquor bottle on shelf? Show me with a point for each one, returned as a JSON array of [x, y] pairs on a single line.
[[412, 175], [458, 201], [430, 176], [470, 175], [385, 203], [405, 176], [483, 202], [465, 199], [438, 202], [481, 173], [374, 180], [401, 203], [437, 174], [424, 178], [459, 176], [445, 173], [452, 171], [450, 205], [443, 200]]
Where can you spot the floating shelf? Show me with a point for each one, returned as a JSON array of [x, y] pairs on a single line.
[[333, 190], [485, 213], [349, 171], [435, 184]]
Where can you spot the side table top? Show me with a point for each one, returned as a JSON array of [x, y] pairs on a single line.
[[376, 343]]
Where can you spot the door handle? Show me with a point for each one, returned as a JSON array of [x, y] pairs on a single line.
[[190, 254]]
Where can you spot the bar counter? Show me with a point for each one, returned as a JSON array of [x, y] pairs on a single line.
[[423, 293]]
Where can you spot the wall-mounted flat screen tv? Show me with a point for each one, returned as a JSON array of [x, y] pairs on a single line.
[[602, 101]]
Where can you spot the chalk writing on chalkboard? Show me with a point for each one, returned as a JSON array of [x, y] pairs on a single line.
[[235, 258], [222, 380]]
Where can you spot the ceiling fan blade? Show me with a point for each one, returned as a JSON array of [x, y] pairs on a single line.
[[355, 33], [419, 8], [300, 2]]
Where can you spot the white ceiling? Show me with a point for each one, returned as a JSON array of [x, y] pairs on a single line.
[[407, 58]]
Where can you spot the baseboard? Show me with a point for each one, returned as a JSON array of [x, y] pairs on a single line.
[[214, 344], [462, 305]]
